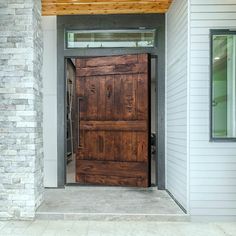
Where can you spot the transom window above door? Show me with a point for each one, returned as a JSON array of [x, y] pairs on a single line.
[[110, 38]]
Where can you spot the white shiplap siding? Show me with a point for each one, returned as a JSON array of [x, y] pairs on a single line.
[[176, 100], [212, 165]]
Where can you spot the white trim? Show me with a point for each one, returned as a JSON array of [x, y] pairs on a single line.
[[188, 105]]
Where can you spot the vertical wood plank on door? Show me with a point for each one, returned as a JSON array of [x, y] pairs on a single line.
[[101, 99], [109, 94], [82, 99], [134, 150], [127, 143], [129, 98], [142, 147], [88, 145], [118, 101], [142, 88], [109, 115], [92, 98], [109, 146], [118, 153], [100, 143]]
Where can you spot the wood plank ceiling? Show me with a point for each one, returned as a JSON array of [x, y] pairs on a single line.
[[89, 7]]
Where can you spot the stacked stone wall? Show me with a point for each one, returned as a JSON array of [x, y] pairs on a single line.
[[21, 142]]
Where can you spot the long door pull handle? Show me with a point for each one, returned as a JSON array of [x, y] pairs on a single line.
[[79, 100]]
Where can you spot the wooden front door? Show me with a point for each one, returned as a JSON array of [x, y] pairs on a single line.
[[113, 117]]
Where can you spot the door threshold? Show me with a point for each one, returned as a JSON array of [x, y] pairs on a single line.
[[102, 187]]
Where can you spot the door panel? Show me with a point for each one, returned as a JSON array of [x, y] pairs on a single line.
[[113, 121]]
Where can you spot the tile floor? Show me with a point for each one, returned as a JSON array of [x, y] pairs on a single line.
[[108, 203], [103, 228]]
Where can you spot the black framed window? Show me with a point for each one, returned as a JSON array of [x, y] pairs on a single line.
[[223, 85], [110, 38]]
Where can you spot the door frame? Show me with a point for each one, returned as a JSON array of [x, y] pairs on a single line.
[[154, 21]]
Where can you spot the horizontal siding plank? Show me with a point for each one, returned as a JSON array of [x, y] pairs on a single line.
[[214, 9], [200, 46], [213, 16], [213, 167], [199, 31], [200, 54], [213, 23], [214, 204], [200, 61], [213, 150], [199, 99], [213, 197], [199, 107], [199, 82], [212, 159], [214, 182], [213, 189], [200, 38], [216, 145], [212, 174], [204, 136], [213, 2]]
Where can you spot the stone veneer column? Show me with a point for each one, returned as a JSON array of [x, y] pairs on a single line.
[[21, 144]]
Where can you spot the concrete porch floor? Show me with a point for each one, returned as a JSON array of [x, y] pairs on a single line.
[[109, 203], [102, 228]]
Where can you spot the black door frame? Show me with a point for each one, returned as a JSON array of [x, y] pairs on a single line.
[[103, 22]]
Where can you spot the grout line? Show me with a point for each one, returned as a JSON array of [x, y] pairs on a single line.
[[114, 214]]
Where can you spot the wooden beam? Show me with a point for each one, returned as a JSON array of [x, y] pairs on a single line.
[[88, 7], [103, 1]]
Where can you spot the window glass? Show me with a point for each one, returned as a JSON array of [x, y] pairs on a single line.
[[110, 38], [224, 86]]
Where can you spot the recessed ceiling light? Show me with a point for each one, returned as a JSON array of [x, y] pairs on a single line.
[[217, 58]]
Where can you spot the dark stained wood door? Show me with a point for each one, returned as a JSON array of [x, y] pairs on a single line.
[[113, 120]]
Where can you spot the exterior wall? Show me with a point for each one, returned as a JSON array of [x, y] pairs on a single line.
[[176, 100], [212, 165], [21, 149], [50, 100]]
